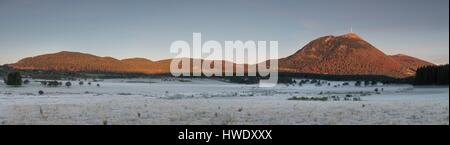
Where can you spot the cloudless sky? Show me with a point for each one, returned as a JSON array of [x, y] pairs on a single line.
[[146, 28]]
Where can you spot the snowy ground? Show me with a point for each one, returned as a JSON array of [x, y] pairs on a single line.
[[153, 101]]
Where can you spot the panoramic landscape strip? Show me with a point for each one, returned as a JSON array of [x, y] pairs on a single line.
[[238, 62]]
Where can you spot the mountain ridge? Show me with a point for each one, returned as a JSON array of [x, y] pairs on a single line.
[[347, 54]]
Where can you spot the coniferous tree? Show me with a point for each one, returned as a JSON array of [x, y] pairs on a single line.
[[13, 79]]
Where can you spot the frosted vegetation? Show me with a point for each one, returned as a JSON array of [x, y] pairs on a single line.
[[203, 101]]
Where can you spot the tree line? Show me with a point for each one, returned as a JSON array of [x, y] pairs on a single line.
[[432, 75]]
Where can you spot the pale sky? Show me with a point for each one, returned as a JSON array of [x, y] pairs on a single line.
[[146, 28]]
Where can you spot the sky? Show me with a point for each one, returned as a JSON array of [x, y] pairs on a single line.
[[147, 28]]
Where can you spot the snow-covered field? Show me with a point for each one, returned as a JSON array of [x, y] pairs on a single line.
[[202, 101]]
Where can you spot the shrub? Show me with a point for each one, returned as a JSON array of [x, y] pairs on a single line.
[[41, 92], [356, 99], [68, 84], [318, 84], [13, 79], [53, 83], [309, 98], [367, 83], [26, 82], [358, 83], [374, 83]]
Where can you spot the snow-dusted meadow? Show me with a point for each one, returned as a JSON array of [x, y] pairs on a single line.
[[204, 101]]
